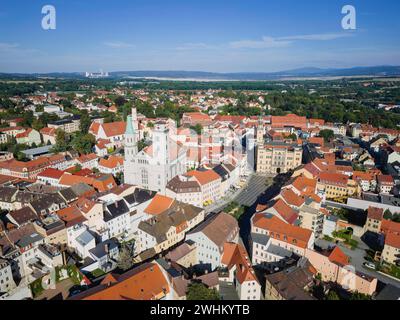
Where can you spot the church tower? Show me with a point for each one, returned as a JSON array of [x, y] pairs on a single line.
[[131, 147], [131, 136], [160, 143], [260, 133]]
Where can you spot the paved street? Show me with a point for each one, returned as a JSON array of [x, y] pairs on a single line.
[[256, 186], [357, 260]]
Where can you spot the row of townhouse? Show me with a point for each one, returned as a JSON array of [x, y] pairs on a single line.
[[22, 135], [376, 223], [203, 186], [213, 247], [274, 240], [81, 221], [25, 255], [167, 227], [30, 169]]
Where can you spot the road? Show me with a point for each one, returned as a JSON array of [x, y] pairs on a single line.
[[357, 260], [270, 191]]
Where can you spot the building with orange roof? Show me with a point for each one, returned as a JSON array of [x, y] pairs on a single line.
[[102, 147], [374, 219], [112, 165], [302, 185], [391, 250], [290, 120], [210, 184], [237, 269], [333, 266], [50, 176], [291, 198], [385, 184], [366, 180], [146, 282], [273, 239], [101, 182], [315, 123], [92, 211], [317, 141], [113, 131], [283, 211], [29, 137], [30, 169], [210, 238], [159, 204], [87, 161], [193, 118], [167, 228], [336, 185], [48, 135]]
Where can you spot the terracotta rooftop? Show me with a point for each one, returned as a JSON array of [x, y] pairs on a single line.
[[146, 282], [278, 229], [159, 204], [375, 213], [339, 257], [392, 239]]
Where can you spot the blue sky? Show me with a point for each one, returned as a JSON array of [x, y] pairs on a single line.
[[204, 35]]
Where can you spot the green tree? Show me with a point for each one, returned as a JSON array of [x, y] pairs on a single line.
[[83, 143], [125, 260], [359, 296], [198, 291], [326, 134], [119, 101], [332, 295], [62, 141], [141, 145], [388, 215], [85, 122]]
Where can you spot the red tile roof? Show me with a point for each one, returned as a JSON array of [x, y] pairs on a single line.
[[286, 212], [392, 239], [235, 255], [375, 213], [146, 282], [51, 173], [385, 179], [114, 128], [112, 162], [333, 178], [291, 198], [204, 177], [159, 204], [339, 257], [278, 230]]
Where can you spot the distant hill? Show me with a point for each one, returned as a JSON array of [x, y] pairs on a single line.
[[296, 73], [381, 71]]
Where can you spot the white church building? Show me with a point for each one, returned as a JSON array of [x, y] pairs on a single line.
[[155, 165]]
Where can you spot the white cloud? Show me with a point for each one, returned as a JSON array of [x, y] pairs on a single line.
[[118, 44], [195, 45], [318, 37], [279, 42], [8, 46], [266, 42]]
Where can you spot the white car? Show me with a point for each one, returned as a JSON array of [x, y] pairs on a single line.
[[370, 265]]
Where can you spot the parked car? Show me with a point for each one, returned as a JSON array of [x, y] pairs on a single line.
[[370, 265]]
